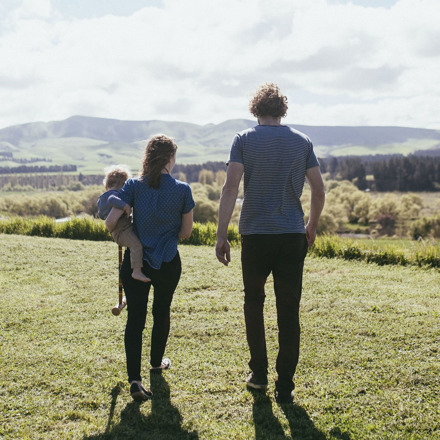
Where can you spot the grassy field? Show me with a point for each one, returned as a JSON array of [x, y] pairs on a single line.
[[369, 366]]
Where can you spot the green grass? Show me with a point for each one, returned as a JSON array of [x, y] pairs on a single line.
[[381, 251], [369, 366]]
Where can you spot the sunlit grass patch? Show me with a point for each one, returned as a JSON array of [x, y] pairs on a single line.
[[369, 364]]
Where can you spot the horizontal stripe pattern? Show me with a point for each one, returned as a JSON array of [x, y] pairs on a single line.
[[275, 160]]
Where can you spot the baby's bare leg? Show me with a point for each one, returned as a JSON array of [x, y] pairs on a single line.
[[139, 275], [126, 237]]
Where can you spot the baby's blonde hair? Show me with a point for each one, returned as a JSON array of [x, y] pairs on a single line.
[[116, 175]]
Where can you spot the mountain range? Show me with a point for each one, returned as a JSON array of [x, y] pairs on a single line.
[[93, 143]]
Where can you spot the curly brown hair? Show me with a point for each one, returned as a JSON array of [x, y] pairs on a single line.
[[268, 101], [115, 176], [158, 152]]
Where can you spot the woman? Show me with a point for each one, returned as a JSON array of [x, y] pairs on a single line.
[[162, 214]]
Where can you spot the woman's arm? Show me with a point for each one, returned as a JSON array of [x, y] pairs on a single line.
[[112, 218], [187, 225]]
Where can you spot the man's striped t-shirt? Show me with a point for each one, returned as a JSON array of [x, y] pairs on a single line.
[[275, 160]]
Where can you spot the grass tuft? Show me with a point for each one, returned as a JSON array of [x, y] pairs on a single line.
[[377, 251]]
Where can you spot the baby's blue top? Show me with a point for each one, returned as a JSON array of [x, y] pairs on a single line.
[[157, 215], [110, 199]]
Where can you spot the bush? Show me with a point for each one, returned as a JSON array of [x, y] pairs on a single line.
[[206, 177], [53, 204], [205, 211], [94, 229], [382, 258], [76, 228], [386, 224], [202, 234], [83, 229], [426, 227], [326, 246], [206, 234], [335, 247], [43, 227]]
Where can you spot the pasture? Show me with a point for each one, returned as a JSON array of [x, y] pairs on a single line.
[[369, 366]]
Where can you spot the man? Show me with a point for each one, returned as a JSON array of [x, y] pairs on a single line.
[[275, 161]]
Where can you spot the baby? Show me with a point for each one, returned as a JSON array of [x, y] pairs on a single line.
[[123, 233]]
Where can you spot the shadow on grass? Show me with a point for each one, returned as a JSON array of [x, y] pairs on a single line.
[[163, 423], [267, 426]]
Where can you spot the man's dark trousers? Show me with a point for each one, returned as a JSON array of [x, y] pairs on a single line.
[[283, 255]]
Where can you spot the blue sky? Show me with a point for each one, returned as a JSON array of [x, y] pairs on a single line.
[[339, 62]]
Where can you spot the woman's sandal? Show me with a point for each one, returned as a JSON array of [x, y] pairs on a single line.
[[165, 365], [139, 393]]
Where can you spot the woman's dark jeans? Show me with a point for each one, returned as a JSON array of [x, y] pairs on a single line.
[[164, 282], [283, 255]]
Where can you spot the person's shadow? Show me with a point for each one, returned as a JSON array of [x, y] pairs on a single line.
[[163, 423], [301, 426]]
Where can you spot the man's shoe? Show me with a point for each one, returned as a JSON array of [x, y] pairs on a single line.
[[283, 396], [257, 382], [165, 365]]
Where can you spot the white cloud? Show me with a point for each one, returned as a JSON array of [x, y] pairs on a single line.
[[198, 61]]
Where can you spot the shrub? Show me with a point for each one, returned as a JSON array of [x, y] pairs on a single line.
[[202, 234], [205, 211], [15, 225], [386, 224], [206, 234], [220, 178], [206, 177], [76, 228], [386, 257], [83, 229], [87, 228], [426, 227], [326, 246], [43, 227], [387, 205], [351, 252], [333, 246], [214, 192]]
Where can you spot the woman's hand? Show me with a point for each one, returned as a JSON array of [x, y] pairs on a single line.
[[127, 209]]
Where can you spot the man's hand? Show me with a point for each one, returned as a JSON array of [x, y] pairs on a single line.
[[226, 207], [310, 234], [317, 200], [223, 251], [127, 210]]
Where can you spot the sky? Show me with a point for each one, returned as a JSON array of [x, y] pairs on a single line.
[[339, 62]]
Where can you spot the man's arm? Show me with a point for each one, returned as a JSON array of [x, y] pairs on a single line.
[[112, 218], [187, 225], [317, 200], [227, 204]]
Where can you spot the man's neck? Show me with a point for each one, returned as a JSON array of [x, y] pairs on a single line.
[[269, 120]]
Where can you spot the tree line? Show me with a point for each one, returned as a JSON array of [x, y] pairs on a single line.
[[48, 181], [380, 173], [388, 173], [38, 169], [190, 173]]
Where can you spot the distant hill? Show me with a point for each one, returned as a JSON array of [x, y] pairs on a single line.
[[94, 143]]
